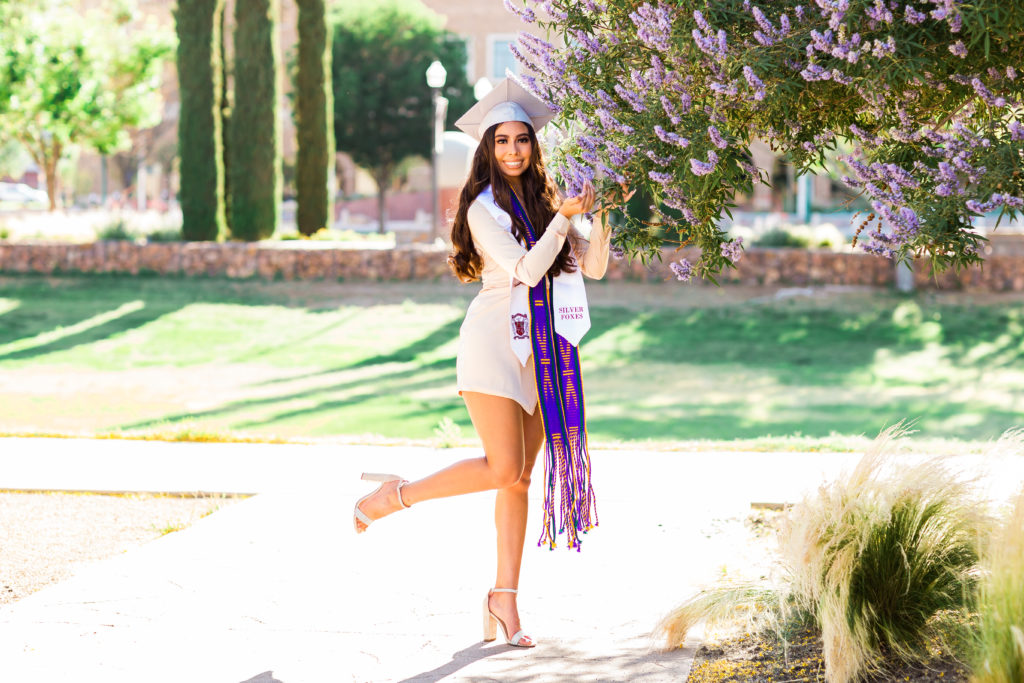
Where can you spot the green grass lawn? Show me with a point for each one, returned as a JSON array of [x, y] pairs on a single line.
[[663, 362]]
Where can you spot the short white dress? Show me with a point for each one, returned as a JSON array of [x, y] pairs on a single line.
[[485, 362]]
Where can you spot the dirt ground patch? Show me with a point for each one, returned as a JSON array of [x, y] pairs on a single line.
[[44, 537]]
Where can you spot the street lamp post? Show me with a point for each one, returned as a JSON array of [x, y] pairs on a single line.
[[436, 76]]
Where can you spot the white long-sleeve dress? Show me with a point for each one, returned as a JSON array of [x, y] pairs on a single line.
[[486, 363]]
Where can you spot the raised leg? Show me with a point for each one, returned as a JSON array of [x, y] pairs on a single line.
[[499, 423]]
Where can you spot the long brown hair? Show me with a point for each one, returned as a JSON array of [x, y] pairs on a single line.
[[540, 199]]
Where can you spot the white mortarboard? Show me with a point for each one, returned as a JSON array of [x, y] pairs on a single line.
[[508, 101]]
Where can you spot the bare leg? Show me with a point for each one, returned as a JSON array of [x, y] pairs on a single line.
[[499, 422], [510, 512]]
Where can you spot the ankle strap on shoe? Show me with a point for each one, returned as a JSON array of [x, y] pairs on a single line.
[[504, 590], [399, 492]]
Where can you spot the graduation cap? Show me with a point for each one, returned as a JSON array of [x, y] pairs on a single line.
[[508, 101]]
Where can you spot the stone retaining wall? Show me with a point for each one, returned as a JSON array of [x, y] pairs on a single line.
[[798, 267]]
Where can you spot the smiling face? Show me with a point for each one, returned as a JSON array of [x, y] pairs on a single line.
[[513, 149]]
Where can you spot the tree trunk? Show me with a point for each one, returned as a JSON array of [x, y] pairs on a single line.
[[50, 160], [382, 176], [52, 186]]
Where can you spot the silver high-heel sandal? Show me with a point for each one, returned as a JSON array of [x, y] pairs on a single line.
[[492, 621], [358, 514]]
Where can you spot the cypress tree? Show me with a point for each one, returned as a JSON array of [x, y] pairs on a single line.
[[314, 119], [199, 125], [255, 143]]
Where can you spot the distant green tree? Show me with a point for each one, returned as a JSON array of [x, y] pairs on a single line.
[[382, 105], [255, 131], [314, 119], [68, 79], [200, 78]]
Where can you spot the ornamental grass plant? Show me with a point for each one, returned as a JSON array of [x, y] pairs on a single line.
[[999, 652], [884, 561]]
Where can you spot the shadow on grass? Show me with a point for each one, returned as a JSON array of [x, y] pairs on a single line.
[[53, 320], [407, 354], [246, 405]]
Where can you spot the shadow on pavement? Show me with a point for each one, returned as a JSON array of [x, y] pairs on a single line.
[[634, 660], [463, 657], [265, 677]]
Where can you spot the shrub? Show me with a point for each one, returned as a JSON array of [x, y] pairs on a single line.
[[165, 235], [117, 229], [781, 237], [825, 236], [999, 654]]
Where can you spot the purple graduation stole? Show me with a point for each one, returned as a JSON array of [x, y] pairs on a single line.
[[560, 396]]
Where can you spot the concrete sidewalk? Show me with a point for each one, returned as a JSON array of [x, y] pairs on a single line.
[[279, 588]]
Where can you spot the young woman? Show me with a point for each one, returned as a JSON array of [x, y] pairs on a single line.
[[513, 232]]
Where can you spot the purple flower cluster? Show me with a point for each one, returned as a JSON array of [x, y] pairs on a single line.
[[682, 270], [986, 94], [766, 33], [670, 111], [716, 138], [524, 13], [995, 201], [610, 172], [658, 159], [631, 96], [612, 124], [959, 49], [661, 178], [592, 44], [619, 156], [670, 137], [550, 8], [756, 84], [913, 16], [733, 250], [880, 13], [654, 25], [699, 167], [1016, 130]]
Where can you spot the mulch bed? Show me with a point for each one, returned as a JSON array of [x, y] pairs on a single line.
[[761, 658]]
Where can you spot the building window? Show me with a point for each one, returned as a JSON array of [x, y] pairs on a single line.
[[499, 57]]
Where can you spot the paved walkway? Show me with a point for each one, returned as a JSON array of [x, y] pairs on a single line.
[[279, 588]]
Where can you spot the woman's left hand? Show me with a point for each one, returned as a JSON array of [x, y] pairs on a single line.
[[627, 194]]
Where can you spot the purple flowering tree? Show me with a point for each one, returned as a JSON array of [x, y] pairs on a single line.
[[669, 96]]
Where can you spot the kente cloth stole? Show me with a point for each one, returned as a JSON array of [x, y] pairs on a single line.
[[560, 395]]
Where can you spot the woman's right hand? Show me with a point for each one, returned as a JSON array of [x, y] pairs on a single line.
[[581, 203]]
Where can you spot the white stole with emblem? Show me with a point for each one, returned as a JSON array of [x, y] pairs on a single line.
[[569, 297]]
